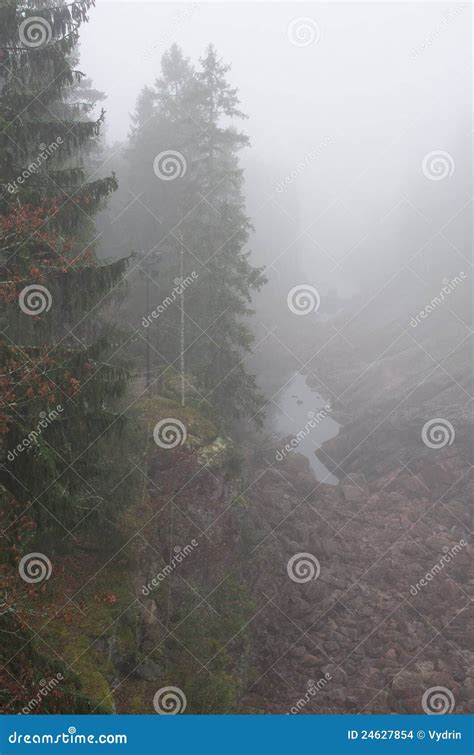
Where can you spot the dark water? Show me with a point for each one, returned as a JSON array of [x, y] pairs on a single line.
[[306, 416]]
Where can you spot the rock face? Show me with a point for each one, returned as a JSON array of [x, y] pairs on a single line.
[[388, 615]]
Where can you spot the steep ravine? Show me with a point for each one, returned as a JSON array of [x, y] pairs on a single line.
[[229, 618], [199, 596], [231, 628], [372, 621]]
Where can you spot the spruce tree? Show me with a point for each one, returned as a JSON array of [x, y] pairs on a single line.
[[202, 229], [55, 349], [229, 279]]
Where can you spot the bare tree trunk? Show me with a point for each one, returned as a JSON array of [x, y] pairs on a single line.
[[147, 332], [181, 346]]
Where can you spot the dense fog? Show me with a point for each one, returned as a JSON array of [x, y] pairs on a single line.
[[253, 314]]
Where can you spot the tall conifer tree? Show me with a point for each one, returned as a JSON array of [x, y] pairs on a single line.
[[54, 348], [199, 226]]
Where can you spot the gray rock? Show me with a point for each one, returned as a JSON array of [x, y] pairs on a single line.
[[149, 671], [352, 493]]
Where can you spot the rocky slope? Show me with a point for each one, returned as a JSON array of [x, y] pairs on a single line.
[[366, 621], [252, 588], [389, 615]]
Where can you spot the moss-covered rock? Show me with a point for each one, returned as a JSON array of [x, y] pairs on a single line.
[[95, 627], [200, 430], [216, 454]]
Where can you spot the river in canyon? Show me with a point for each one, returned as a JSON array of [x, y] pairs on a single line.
[[303, 421]]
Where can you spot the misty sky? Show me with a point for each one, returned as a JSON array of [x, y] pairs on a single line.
[[381, 85]]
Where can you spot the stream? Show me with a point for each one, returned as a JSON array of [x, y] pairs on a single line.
[[303, 419]]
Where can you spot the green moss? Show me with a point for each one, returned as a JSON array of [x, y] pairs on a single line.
[[212, 450], [98, 629], [136, 696], [94, 682], [205, 634], [92, 669], [216, 454], [200, 430], [137, 705]]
